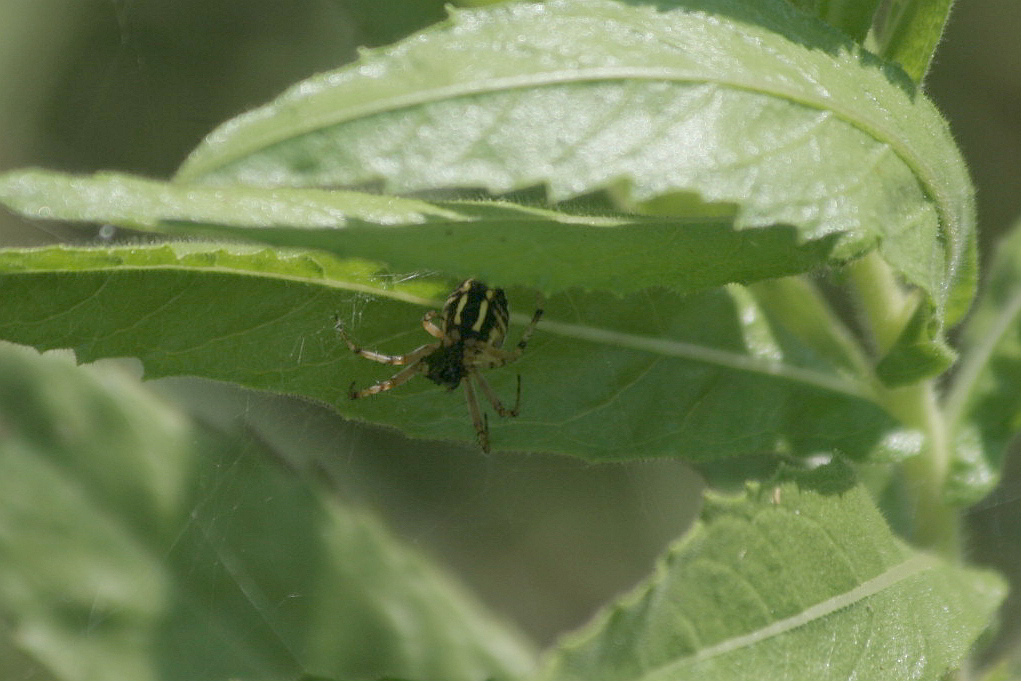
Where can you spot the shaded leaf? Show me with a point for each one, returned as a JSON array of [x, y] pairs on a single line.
[[915, 356], [797, 580], [908, 32], [853, 17], [984, 403], [135, 544], [651, 374]]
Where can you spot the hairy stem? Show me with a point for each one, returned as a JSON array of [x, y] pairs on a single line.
[[886, 308], [936, 525]]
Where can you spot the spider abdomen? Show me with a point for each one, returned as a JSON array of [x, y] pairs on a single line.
[[445, 365], [475, 319], [476, 311]]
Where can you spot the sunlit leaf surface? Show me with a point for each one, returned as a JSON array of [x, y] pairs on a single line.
[[801, 580], [755, 106], [766, 142], [621, 253]]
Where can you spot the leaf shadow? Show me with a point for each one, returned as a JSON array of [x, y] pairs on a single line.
[[833, 478]]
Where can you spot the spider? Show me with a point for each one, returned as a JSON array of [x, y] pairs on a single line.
[[474, 325]]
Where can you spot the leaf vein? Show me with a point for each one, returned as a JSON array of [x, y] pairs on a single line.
[[723, 358], [891, 577]]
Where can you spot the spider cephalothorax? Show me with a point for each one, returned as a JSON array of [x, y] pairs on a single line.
[[475, 319]]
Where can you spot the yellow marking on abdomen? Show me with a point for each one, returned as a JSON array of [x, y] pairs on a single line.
[[460, 307], [483, 309]]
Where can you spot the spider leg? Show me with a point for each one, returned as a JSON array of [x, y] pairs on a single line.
[[492, 358], [494, 398], [413, 359], [478, 418], [428, 325], [396, 360], [527, 333], [401, 377]]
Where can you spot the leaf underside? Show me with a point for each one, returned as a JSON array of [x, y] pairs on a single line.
[[651, 374]]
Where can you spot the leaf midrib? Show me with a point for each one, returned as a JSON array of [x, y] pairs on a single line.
[[699, 353], [871, 587], [331, 115], [663, 347]]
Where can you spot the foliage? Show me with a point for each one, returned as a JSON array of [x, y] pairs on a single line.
[[696, 192]]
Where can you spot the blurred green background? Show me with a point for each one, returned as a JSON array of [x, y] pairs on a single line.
[[133, 85]]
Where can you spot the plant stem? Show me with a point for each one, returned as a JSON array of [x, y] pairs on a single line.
[[886, 308], [936, 525]]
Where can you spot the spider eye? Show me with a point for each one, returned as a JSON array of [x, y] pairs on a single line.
[[475, 310]]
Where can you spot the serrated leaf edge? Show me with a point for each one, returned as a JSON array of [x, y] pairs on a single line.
[[835, 383]]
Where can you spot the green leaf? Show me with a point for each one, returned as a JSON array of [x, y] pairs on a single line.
[[756, 107], [915, 355], [908, 32], [622, 253], [984, 403], [801, 579], [853, 17], [651, 374], [140, 203], [136, 544]]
